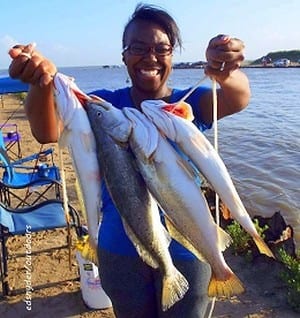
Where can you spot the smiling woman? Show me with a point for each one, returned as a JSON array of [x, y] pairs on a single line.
[[149, 39], [148, 57]]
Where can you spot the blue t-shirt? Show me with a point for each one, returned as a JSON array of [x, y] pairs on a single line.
[[112, 236]]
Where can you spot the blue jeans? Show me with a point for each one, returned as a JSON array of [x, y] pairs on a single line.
[[135, 288]]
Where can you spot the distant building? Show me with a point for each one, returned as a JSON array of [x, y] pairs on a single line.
[[284, 62], [266, 60]]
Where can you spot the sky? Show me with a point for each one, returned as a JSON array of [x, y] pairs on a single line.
[[89, 32]]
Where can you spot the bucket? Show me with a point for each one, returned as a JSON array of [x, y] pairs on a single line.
[[92, 292]]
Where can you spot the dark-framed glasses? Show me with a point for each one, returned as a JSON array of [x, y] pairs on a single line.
[[142, 49]]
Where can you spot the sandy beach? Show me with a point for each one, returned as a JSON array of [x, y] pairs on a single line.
[[60, 295]]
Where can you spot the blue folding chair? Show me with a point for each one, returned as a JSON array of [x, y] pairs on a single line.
[[12, 140], [28, 184], [46, 215]]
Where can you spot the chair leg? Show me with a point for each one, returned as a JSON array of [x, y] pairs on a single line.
[[8, 195], [3, 264], [14, 153], [57, 192], [19, 150], [41, 195], [30, 198], [5, 196]]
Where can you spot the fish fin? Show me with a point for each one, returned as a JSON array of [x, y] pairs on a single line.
[[262, 246], [176, 235], [229, 287], [141, 250], [174, 287], [224, 239], [188, 168], [188, 165]]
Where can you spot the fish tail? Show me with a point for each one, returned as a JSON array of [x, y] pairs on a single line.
[[262, 246], [229, 287], [174, 288], [87, 251]]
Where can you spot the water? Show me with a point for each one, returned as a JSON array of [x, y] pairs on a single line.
[[260, 145]]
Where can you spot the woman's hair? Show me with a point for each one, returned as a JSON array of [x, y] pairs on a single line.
[[156, 15]]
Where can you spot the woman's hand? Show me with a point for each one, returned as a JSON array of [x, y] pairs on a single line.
[[224, 55], [30, 66]]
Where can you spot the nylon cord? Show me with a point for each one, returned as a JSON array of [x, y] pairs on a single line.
[[217, 201]]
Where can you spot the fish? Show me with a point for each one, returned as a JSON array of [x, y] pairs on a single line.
[[188, 217], [197, 147], [186, 211], [78, 137], [138, 210]]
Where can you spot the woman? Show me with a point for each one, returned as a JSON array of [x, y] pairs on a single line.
[[149, 39]]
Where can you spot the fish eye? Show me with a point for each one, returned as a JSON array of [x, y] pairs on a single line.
[[99, 114]]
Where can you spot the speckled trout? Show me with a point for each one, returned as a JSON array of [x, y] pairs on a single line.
[[201, 152], [138, 210]]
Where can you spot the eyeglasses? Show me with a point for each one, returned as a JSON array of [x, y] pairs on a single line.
[[141, 49]]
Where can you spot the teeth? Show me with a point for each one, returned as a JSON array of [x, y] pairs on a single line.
[[149, 72]]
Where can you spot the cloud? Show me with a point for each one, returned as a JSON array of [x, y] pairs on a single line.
[[58, 53], [6, 42]]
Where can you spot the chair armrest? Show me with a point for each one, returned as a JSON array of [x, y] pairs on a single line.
[[35, 156]]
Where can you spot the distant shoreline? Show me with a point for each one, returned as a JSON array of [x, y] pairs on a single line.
[[269, 66], [243, 66], [175, 66]]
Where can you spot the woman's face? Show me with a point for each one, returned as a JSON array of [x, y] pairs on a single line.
[[150, 70]]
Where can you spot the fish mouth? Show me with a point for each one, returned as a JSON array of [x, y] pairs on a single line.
[[85, 100], [82, 97]]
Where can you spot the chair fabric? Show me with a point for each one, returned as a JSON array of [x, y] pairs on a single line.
[[46, 215], [38, 178]]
